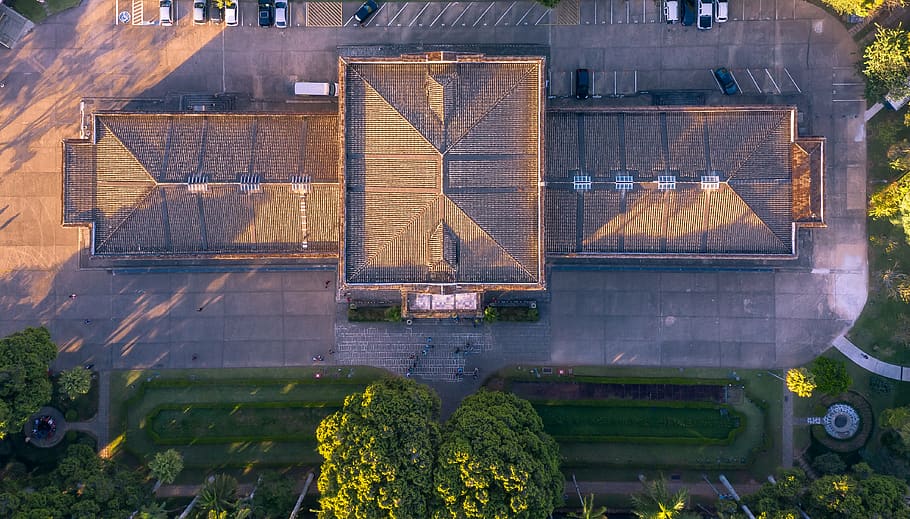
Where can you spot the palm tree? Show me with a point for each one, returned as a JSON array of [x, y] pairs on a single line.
[[218, 496], [657, 502], [588, 511]]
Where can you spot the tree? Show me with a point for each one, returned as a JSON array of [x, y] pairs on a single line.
[[218, 496], [886, 62], [857, 7], [656, 502], [780, 499], [800, 382], [829, 463], [588, 511], [830, 376], [165, 467], [274, 497], [379, 451], [24, 384], [76, 381], [496, 461], [896, 423]]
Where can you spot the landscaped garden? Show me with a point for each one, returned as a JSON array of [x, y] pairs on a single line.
[[609, 421], [228, 418]]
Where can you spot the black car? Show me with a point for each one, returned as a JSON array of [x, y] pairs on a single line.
[[366, 10], [688, 17], [266, 14], [216, 14], [582, 83], [726, 81]]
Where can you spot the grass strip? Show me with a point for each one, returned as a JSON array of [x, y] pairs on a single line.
[[176, 424]]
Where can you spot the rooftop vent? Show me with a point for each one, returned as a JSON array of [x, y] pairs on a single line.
[[710, 182], [250, 183], [582, 182], [666, 182], [300, 184], [197, 183], [624, 182]]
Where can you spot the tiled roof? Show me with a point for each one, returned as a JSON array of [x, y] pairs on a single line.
[[193, 184], [694, 181], [442, 164]]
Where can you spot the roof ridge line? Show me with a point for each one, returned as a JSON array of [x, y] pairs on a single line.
[[760, 219], [752, 153], [128, 150], [493, 106], [127, 217], [494, 240], [394, 238]]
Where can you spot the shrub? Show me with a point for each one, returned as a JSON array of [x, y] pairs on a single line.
[[71, 415], [801, 382], [830, 376], [390, 314]]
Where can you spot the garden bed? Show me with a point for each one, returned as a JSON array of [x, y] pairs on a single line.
[[390, 314], [620, 391]]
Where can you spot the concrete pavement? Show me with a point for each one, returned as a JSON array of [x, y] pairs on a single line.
[[863, 360]]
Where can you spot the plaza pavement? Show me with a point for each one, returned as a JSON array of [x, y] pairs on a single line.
[[643, 314]]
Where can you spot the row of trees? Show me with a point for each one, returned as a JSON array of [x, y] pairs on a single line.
[[859, 493], [826, 375], [386, 455]]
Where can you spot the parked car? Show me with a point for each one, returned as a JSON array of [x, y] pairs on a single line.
[[266, 15], [216, 14], [582, 83], [721, 10], [726, 81], [705, 14], [166, 13], [199, 8], [671, 10], [366, 11], [281, 14], [688, 16], [231, 16], [310, 88]]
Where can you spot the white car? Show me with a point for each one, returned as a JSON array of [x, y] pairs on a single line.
[[281, 14], [166, 13], [231, 18], [671, 10], [721, 10], [199, 8], [705, 14]]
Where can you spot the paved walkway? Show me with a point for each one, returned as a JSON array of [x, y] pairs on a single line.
[[98, 425], [863, 360]]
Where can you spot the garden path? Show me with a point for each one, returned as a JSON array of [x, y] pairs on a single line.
[[869, 363]]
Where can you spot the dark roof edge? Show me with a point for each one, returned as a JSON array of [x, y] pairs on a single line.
[[672, 108]]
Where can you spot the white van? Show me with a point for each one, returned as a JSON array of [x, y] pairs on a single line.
[[165, 13], [230, 14], [306, 88], [671, 10], [721, 9]]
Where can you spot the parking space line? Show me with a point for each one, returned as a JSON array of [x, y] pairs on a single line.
[[448, 4], [484, 13], [753, 81], [628, 11], [792, 81], [462, 14], [418, 14], [716, 81], [375, 16], [611, 12], [615, 83], [772, 79], [545, 13], [635, 81], [504, 14], [403, 7], [525, 16], [738, 88]]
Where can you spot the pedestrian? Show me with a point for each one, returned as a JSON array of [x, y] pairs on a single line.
[[194, 357], [327, 283], [87, 322], [200, 308], [331, 352], [88, 366], [72, 296]]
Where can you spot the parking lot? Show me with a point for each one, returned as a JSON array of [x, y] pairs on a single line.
[[463, 14]]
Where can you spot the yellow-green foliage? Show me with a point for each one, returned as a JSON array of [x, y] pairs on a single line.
[[857, 7], [800, 382]]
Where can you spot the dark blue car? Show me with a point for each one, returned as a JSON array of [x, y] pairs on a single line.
[[265, 13], [726, 81], [366, 10], [688, 8]]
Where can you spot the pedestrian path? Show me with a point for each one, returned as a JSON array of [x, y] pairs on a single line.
[[863, 360]]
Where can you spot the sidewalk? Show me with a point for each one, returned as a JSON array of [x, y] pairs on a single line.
[[861, 359]]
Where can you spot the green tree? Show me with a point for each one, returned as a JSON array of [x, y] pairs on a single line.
[[165, 466], [830, 376], [588, 511], [829, 463], [76, 381], [886, 62], [275, 496], [656, 502], [780, 499], [218, 496], [152, 511], [801, 382], [24, 384], [496, 461], [896, 423], [857, 7], [379, 452]]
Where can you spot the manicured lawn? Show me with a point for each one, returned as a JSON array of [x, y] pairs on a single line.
[[883, 329], [753, 454], [219, 411], [637, 422], [37, 12]]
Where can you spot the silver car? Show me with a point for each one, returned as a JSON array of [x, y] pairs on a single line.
[[281, 14]]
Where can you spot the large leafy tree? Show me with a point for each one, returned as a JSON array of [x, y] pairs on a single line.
[[830, 376], [886, 62], [24, 384], [496, 461], [379, 452], [896, 423], [275, 496], [165, 466], [857, 7], [801, 382]]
